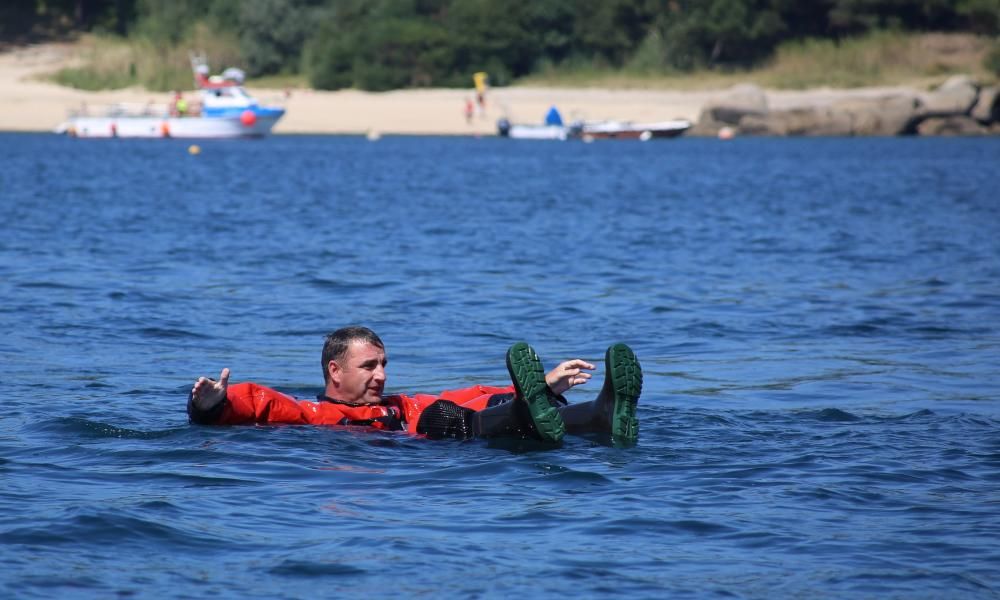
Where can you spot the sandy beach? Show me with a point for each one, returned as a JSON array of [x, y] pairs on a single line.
[[29, 103]]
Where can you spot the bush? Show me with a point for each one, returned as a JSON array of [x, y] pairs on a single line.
[[992, 60], [401, 53], [113, 63], [650, 56], [327, 62], [983, 15], [271, 34], [92, 80]]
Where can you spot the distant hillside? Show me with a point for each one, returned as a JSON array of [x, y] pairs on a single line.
[[390, 44]]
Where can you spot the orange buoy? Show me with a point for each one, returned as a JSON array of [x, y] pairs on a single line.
[[165, 129], [248, 118]]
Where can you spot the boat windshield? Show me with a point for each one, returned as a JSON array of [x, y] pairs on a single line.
[[227, 92]]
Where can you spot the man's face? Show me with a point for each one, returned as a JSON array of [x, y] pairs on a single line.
[[361, 373]]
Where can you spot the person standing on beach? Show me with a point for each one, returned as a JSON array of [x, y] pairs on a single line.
[[481, 81], [469, 110], [354, 362]]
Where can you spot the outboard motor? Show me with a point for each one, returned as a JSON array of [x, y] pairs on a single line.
[[503, 127], [575, 129]]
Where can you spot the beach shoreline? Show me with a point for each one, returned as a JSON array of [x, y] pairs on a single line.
[[30, 103]]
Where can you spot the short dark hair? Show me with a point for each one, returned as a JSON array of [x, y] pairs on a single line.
[[339, 341]]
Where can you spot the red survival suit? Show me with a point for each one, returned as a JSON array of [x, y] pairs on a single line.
[[248, 403]]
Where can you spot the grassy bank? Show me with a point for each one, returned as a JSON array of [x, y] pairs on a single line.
[[884, 58], [115, 63]]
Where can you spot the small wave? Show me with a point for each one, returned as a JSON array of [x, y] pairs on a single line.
[[939, 331], [899, 326], [309, 568], [706, 328], [295, 333], [934, 282], [340, 286], [48, 285], [106, 527], [98, 385], [660, 309], [164, 333], [972, 304], [141, 297], [82, 427], [488, 335], [920, 414], [863, 329], [574, 479], [49, 583], [659, 527], [835, 415]]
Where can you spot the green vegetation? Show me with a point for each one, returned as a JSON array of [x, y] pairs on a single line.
[[878, 58], [992, 60], [388, 44], [884, 57], [112, 62]]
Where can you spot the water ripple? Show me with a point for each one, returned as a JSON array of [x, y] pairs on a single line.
[[818, 338]]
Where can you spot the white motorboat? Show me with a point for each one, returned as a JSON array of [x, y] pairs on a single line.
[[224, 110]]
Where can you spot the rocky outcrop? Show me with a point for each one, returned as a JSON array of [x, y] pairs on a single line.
[[745, 100], [888, 115], [956, 96], [958, 107], [954, 125], [987, 108], [798, 121]]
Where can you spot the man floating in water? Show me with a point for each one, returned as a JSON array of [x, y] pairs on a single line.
[[354, 362]]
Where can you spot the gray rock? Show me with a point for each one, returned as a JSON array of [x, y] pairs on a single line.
[[987, 108], [806, 121], [704, 127], [958, 82], [954, 125], [886, 115], [956, 96], [745, 98], [760, 125], [738, 102]]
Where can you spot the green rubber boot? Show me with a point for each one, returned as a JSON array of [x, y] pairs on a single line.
[[526, 373], [623, 383]]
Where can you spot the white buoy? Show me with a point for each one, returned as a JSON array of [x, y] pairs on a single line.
[[373, 135], [645, 136]]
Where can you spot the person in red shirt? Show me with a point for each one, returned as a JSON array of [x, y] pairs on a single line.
[[354, 363]]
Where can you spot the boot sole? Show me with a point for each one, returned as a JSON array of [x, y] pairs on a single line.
[[526, 373], [623, 368]]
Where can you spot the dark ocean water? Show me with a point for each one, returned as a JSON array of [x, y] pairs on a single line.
[[818, 321]]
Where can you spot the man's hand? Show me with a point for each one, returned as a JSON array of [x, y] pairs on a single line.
[[207, 393], [567, 375]]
